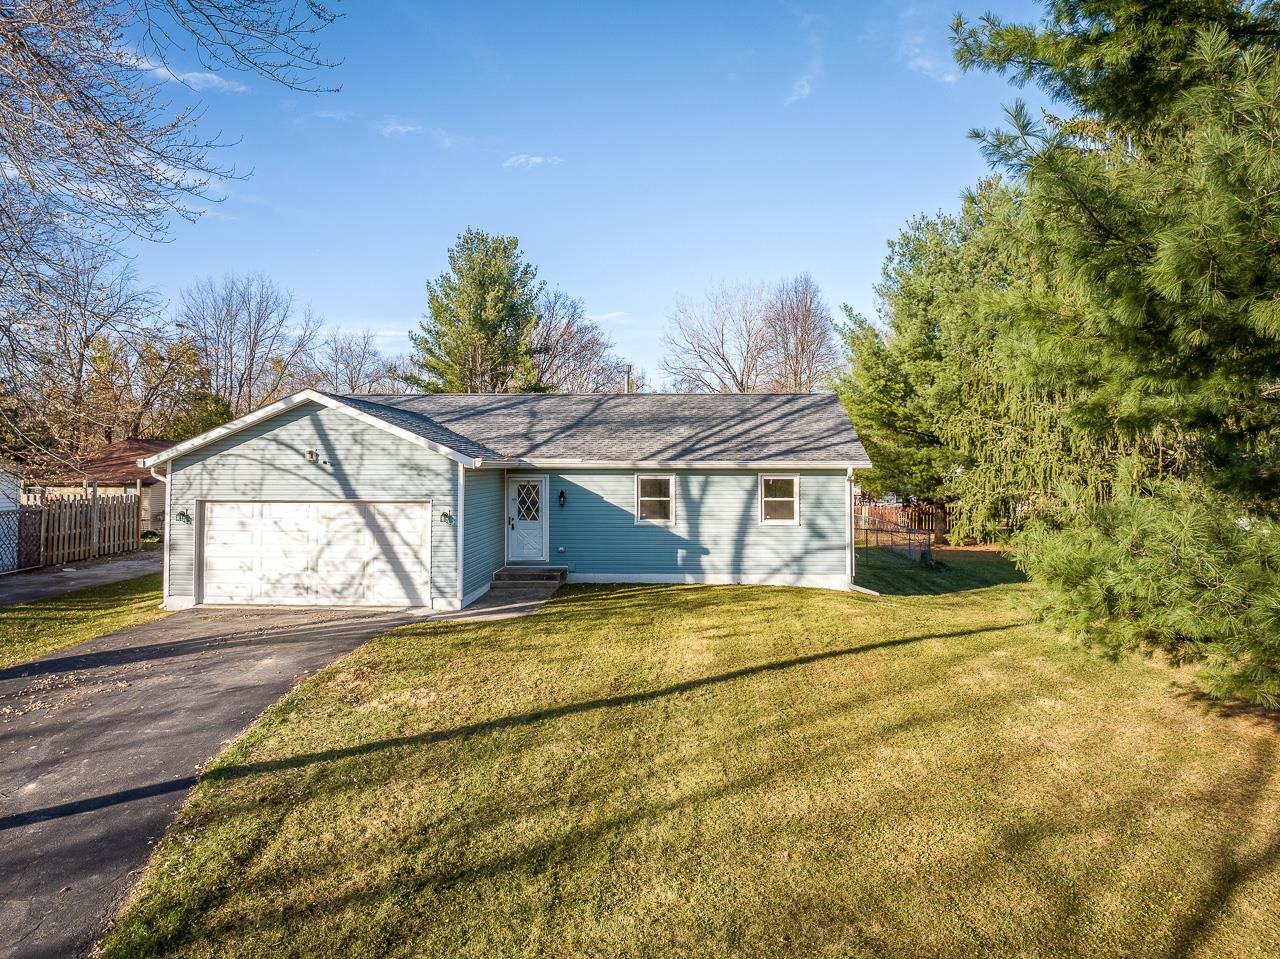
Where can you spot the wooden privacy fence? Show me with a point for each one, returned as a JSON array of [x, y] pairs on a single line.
[[76, 528]]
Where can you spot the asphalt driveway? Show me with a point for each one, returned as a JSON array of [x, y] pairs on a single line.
[[100, 742]]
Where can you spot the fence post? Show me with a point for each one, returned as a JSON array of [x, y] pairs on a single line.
[[93, 512], [137, 519], [44, 526]]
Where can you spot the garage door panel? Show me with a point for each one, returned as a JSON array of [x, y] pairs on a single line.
[[320, 553]]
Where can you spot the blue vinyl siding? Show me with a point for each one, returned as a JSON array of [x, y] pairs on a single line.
[[266, 462], [484, 524], [717, 530]]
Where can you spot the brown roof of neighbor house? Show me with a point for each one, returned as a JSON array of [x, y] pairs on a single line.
[[115, 463]]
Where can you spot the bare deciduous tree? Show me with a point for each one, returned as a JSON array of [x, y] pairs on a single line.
[[87, 141], [352, 363], [571, 353], [254, 346], [719, 344], [90, 147], [801, 355], [93, 363], [747, 339]]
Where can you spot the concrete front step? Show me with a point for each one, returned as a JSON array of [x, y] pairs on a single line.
[[509, 577]]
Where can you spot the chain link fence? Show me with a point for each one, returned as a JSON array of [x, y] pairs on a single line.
[[20, 539]]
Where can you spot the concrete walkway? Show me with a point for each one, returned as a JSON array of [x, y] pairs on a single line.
[[502, 604], [100, 742], [56, 580]]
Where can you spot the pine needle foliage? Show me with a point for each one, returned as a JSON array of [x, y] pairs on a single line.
[[477, 336], [1090, 349], [946, 390], [1178, 570], [1151, 210]]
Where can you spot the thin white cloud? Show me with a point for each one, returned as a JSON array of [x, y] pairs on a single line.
[[527, 161], [213, 213], [393, 127], [921, 47], [195, 79], [339, 115], [397, 128], [446, 140], [802, 89], [802, 86], [611, 316], [204, 80]]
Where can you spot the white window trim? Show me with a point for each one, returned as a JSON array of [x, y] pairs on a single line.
[[671, 479], [795, 479]]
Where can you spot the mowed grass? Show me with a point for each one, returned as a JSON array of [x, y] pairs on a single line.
[[33, 629], [731, 772]]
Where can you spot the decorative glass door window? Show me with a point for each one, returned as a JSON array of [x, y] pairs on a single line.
[[528, 502]]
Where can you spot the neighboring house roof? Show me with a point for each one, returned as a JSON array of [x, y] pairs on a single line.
[[114, 463], [777, 430]]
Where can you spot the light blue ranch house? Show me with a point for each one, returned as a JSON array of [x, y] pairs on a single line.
[[423, 500]]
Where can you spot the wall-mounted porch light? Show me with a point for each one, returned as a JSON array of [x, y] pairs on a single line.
[[560, 498]]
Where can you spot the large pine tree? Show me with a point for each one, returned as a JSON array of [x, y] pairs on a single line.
[[1153, 202], [482, 311]]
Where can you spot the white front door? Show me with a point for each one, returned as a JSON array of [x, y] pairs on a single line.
[[527, 518]]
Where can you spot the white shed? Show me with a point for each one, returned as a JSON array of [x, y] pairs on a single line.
[[10, 485]]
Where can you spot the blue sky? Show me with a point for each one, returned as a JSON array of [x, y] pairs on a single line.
[[640, 152]]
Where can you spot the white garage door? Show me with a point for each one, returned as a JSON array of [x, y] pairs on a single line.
[[324, 554]]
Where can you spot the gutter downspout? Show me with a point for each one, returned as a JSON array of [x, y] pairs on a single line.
[[851, 530], [168, 513]]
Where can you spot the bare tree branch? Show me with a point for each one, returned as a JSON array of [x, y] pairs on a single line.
[[802, 354], [570, 353], [88, 146], [351, 363], [247, 334], [719, 344]]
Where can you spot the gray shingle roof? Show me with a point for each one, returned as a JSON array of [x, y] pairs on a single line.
[[626, 428]]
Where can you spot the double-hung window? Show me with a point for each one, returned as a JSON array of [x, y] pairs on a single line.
[[655, 499], [779, 500]]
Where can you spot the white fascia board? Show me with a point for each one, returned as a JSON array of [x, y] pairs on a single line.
[[765, 465], [297, 399]]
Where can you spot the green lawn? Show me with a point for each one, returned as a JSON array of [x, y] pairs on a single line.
[[33, 629], [731, 772]]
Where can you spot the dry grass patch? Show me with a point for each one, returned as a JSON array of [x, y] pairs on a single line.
[[730, 771]]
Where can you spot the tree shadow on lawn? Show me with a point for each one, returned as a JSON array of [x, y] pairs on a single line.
[[568, 709], [1245, 849], [242, 770], [575, 833], [953, 571]]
